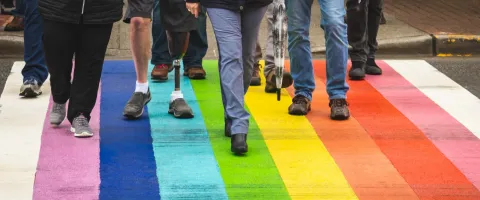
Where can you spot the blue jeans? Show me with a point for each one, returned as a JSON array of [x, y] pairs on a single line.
[[333, 24], [236, 34], [197, 48], [35, 67]]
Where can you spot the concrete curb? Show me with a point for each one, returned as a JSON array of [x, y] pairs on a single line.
[[413, 45], [456, 45], [11, 45]]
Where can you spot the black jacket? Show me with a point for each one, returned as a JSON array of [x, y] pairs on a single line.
[[235, 5], [70, 11]]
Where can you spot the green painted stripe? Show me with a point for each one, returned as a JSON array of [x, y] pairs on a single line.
[[253, 176]]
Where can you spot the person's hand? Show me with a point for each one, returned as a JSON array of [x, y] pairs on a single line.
[[193, 8]]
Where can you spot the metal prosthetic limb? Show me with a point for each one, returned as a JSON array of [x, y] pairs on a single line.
[[279, 38], [177, 47]]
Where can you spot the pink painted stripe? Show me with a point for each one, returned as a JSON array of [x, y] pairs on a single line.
[[68, 167], [453, 139]]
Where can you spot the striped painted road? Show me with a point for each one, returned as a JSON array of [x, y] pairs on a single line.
[[413, 134]]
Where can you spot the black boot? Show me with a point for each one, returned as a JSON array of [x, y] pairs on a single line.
[[239, 143], [228, 127], [180, 109], [372, 68], [357, 72]]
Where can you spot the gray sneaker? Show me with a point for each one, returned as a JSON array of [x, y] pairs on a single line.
[[80, 127], [30, 88], [57, 115]]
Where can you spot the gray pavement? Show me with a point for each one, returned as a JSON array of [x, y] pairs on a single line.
[[396, 37]]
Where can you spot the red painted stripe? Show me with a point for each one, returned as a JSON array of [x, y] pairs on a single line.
[[367, 170], [423, 166], [453, 139]]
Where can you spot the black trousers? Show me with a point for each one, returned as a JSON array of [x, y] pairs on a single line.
[[89, 44], [363, 20]]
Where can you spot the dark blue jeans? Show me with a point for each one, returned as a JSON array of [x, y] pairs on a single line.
[[197, 48], [35, 67]]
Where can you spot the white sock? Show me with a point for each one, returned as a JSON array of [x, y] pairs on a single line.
[[141, 87]]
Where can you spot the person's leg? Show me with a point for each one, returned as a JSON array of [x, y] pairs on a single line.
[[197, 48], [337, 56], [251, 19], [160, 56], [269, 70], [298, 14], [256, 81], [374, 16], [357, 37], [59, 44], [35, 71], [228, 33], [138, 15], [89, 56]]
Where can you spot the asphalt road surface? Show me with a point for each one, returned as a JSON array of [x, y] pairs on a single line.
[[463, 70]]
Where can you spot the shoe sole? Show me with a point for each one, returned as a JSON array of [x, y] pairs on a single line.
[[240, 150], [80, 135], [195, 76], [339, 117], [300, 113], [160, 78], [30, 93], [181, 115], [130, 116]]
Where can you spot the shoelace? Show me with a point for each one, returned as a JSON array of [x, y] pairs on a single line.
[[82, 121], [57, 108], [339, 102], [299, 100]]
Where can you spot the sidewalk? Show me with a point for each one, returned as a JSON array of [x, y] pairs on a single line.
[[413, 27]]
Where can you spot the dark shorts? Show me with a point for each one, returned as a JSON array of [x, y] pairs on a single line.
[[175, 16], [138, 8]]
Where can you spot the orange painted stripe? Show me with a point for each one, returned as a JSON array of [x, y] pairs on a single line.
[[430, 174], [367, 170]]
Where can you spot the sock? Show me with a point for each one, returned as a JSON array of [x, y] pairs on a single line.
[[141, 87]]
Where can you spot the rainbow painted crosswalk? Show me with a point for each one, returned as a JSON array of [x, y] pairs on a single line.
[[413, 134]]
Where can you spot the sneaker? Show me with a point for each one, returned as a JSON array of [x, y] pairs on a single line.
[[256, 80], [180, 109], [372, 68], [57, 115], [271, 84], [80, 127], [160, 72], [300, 106], [30, 88], [134, 108], [357, 72], [339, 109]]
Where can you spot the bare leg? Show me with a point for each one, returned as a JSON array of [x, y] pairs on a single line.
[[139, 44]]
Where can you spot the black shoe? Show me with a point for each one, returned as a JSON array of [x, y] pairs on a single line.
[[300, 106], [372, 68], [339, 109], [30, 89], [228, 127], [357, 72], [180, 109], [239, 143], [134, 108]]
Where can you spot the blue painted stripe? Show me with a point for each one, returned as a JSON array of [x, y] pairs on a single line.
[[127, 163], [186, 165]]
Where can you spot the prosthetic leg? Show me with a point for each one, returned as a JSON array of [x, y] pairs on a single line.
[[177, 46], [279, 38]]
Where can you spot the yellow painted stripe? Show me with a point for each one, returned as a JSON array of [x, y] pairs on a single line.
[[306, 167]]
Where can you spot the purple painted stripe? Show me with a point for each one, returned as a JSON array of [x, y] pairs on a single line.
[[451, 137], [68, 167]]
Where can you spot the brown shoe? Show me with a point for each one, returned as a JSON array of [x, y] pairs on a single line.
[[195, 73], [339, 109], [15, 25], [271, 85], [256, 81], [300, 106], [160, 72]]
